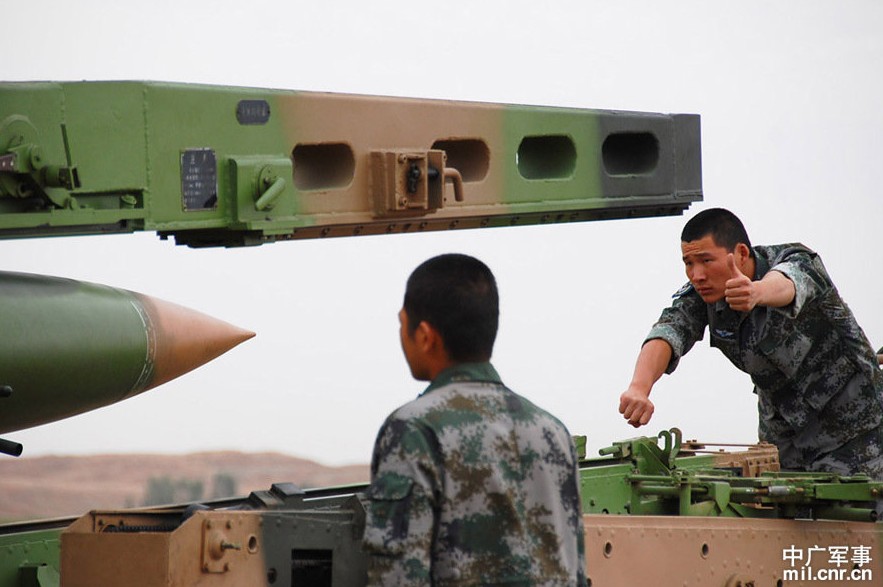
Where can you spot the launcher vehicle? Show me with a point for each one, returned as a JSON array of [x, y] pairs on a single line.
[[221, 166]]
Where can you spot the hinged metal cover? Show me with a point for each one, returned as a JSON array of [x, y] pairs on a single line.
[[407, 181]]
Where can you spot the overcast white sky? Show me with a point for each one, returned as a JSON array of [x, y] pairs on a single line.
[[790, 95]]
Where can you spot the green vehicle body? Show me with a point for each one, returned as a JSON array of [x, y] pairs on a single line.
[[223, 166], [31, 557], [706, 517]]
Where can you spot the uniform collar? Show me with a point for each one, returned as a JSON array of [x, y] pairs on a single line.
[[465, 372], [761, 264]]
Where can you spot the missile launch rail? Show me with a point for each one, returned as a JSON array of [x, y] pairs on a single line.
[[214, 165]]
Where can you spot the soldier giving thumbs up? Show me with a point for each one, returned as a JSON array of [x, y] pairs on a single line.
[[742, 294], [775, 313]]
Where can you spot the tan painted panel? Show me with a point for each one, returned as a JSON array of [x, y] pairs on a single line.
[[725, 552], [210, 549], [369, 124]]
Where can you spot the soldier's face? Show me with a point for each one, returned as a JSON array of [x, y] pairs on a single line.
[[706, 266]]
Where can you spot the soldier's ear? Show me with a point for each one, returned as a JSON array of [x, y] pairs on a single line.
[[742, 254], [424, 335], [431, 340]]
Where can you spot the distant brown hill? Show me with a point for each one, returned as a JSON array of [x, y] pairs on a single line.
[[54, 486]]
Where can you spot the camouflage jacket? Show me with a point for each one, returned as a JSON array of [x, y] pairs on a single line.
[[471, 484], [813, 368]]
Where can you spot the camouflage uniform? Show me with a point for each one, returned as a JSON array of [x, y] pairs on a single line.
[[820, 391], [471, 484]]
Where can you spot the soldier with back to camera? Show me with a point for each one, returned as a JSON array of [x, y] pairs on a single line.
[[471, 484], [775, 313]]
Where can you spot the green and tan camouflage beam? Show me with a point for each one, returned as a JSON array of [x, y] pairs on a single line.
[[231, 166]]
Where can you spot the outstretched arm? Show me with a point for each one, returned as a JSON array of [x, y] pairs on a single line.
[[634, 403]]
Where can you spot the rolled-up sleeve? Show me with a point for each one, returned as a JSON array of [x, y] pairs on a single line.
[[807, 273]]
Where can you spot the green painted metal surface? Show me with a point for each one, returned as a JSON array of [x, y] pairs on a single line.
[[30, 558], [639, 477], [212, 165]]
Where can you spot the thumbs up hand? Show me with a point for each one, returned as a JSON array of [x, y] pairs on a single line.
[[740, 292]]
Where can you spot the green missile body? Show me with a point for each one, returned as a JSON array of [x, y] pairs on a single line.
[[70, 346]]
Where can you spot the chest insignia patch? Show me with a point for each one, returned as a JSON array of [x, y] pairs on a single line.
[[725, 334]]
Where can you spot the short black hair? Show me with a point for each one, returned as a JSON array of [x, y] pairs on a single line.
[[724, 227], [457, 295]]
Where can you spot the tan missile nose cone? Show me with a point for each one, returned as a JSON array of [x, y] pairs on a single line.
[[181, 339]]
